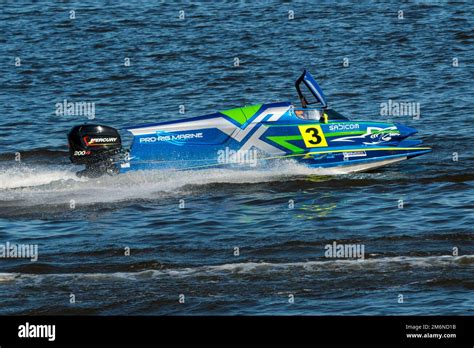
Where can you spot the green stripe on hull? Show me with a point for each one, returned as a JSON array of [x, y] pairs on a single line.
[[242, 115], [282, 140], [394, 148], [337, 134]]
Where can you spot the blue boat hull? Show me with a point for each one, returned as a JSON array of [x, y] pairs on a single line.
[[248, 137], [259, 135]]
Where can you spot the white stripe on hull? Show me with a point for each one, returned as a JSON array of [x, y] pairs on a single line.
[[220, 123], [355, 168]]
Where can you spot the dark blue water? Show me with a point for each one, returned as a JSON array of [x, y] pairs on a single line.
[[190, 250]]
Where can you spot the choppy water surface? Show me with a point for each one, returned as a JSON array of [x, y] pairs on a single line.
[[82, 226]]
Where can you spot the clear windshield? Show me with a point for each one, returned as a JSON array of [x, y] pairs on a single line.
[[308, 114], [316, 114]]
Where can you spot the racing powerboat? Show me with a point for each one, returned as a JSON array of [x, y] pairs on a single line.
[[250, 136]]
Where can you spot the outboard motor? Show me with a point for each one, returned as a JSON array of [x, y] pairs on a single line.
[[98, 147]]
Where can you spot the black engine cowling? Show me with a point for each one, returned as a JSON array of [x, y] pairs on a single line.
[[96, 146]]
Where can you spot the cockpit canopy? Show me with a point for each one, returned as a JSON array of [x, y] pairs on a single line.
[[310, 94], [316, 114], [309, 91], [308, 114]]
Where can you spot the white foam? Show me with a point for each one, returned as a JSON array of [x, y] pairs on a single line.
[[8, 277], [384, 264], [23, 176], [46, 185]]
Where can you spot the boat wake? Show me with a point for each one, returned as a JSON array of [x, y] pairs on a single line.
[[32, 176], [39, 184]]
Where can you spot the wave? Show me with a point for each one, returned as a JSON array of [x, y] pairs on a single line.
[[383, 264]]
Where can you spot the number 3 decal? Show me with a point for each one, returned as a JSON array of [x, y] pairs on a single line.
[[313, 136]]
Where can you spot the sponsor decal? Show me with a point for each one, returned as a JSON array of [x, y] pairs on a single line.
[[354, 154], [373, 135], [99, 141], [176, 139], [343, 127], [82, 153]]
